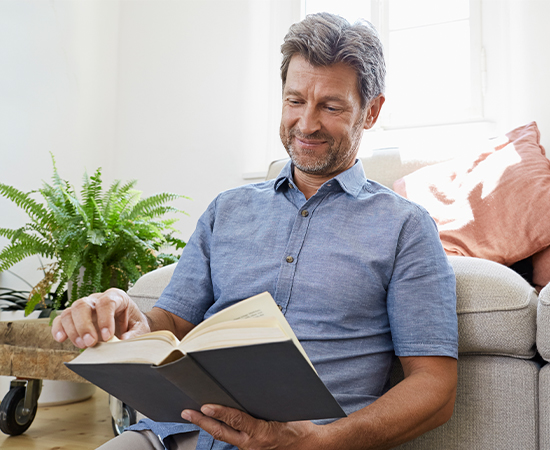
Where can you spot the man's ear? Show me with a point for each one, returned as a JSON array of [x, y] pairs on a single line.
[[373, 111]]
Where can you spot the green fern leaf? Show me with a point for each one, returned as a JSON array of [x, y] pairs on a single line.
[[31, 303], [8, 232], [149, 205], [24, 200], [12, 254]]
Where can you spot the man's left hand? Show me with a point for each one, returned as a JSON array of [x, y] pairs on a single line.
[[245, 432]]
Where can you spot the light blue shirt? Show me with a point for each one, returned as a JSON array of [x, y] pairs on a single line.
[[358, 271]]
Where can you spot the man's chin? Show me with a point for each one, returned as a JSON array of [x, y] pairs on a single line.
[[311, 167]]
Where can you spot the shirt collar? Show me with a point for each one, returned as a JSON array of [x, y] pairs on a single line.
[[351, 181]]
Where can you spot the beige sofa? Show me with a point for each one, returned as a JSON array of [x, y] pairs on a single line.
[[500, 377]]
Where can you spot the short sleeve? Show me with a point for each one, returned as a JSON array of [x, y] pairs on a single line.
[[421, 296]]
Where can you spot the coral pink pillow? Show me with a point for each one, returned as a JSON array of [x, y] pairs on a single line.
[[494, 205]]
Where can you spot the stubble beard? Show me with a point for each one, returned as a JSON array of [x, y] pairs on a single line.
[[334, 159]]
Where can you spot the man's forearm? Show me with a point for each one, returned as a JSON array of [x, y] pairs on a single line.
[[422, 401], [160, 319]]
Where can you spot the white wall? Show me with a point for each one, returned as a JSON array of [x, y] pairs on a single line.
[[192, 108], [58, 63], [168, 92], [516, 37]]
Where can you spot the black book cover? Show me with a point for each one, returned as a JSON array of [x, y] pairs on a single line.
[[139, 386], [271, 381]]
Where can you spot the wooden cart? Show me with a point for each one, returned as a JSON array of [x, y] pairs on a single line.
[[29, 353]]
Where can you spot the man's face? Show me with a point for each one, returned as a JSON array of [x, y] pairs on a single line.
[[322, 120]]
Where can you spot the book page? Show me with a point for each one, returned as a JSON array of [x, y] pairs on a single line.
[[234, 337], [261, 305], [147, 348], [254, 322]]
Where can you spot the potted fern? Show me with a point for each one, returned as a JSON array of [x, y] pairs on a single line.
[[97, 240]]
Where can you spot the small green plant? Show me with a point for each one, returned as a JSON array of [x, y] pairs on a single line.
[[102, 240]]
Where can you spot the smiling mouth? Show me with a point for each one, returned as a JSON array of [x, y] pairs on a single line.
[[309, 143]]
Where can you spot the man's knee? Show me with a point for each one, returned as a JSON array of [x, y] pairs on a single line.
[[134, 440], [147, 440]]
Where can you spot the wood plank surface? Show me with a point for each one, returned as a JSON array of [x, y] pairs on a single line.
[[79, 426]]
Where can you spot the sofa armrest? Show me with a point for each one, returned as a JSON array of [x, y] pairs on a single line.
[[496, 307], [543, 323], [148, 288]]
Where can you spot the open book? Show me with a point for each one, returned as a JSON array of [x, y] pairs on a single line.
[[245, 356]]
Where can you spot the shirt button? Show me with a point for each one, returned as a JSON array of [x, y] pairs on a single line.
[[280, 307], [289, 259], [290, 185], [305, 213]]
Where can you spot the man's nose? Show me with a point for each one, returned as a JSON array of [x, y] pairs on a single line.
[[309, 120]]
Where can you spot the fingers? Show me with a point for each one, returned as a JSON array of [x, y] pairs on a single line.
[[112, 313], [58, 332], [216, 428], [94, 318], [236, 419], [245, 432], [77, 324]]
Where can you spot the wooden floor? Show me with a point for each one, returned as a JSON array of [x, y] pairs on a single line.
[[78, 426]]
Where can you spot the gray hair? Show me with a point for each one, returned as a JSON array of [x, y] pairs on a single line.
[[324, 39]]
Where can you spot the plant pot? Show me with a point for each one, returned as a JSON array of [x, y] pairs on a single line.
[[64, 392], [9, 316]]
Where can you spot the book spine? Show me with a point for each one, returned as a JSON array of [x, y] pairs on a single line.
[[189, 376]]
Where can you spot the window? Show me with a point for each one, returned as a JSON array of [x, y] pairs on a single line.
[[433, 57]]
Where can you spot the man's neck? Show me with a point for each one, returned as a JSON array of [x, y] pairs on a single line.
[[309, 183]]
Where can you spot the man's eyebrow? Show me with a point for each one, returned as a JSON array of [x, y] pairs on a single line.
[[291, 91], [328, 98], [334, 98]]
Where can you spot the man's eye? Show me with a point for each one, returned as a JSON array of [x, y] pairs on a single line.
[[332, 108]]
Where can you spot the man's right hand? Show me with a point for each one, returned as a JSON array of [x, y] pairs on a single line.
[[99, 317]]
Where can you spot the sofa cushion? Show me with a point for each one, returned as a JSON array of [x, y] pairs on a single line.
[[543, 323], [496, 308], [489, 205]]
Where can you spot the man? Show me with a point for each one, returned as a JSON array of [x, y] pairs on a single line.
[[358, 271]]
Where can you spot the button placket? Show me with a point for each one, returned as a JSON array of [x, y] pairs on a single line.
[[294, 246]]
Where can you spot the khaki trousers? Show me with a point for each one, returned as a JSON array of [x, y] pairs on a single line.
[[147, 440]]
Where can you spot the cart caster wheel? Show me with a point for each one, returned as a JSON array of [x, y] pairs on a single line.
[[128, 418], [14, 418]]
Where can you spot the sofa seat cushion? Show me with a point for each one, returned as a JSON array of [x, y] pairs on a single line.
[[544, 408], [496, 408], [496, 307]]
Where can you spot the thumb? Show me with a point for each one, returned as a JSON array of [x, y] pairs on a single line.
[[137, 324]]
